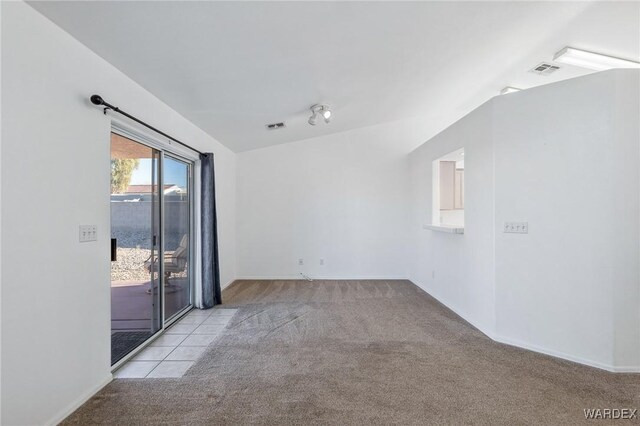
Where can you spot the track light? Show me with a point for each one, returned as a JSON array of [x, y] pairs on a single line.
[[594, 61], [322, 110]]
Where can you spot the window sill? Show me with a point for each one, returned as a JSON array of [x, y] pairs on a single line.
[[449, 229]]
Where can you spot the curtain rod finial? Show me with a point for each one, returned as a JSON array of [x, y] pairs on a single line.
[[97, 100]]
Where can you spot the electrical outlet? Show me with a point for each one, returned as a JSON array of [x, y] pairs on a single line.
[[88, 233], [300, 262], [516, 228], [433, 274], [321, 261]]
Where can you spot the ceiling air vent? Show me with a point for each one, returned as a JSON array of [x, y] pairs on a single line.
[[275, 126], [545, 69]]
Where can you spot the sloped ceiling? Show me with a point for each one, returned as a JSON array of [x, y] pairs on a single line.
[[232, 67]]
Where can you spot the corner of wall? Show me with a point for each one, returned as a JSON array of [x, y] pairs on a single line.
[[487, 330]]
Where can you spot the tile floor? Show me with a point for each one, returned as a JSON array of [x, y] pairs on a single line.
[[173, 353]]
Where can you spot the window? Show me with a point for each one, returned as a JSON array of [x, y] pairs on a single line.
[[448, 190]]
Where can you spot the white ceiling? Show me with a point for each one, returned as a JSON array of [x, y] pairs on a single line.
[[232, 67]]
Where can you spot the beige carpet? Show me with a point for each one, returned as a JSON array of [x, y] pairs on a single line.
[[359, 352]]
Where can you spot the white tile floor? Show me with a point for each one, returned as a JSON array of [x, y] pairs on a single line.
[[173, 353]]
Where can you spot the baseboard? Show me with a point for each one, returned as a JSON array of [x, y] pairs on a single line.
[[228, 284], [567, 357], [527, 346], [66, 412], [279, 277], [624, 369], [326, 277]]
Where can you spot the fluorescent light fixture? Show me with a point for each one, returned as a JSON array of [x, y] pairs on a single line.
[[594, 61], [509, 89]]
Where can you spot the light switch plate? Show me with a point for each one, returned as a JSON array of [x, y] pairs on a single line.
[[88, 233], [516, 228]]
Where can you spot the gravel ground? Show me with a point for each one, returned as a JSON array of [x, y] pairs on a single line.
[[132, 253], [130, 265]]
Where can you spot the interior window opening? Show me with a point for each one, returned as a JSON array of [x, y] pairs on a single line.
[[448, 189]]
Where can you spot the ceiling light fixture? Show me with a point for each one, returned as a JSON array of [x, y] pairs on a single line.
[[509, 89], [594, 61], [322, 110]]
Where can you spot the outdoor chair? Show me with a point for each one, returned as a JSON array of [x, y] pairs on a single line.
[[174, 261]]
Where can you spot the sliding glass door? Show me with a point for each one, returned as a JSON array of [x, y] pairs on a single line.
[[151, 210], [177, 232], [135, 226]]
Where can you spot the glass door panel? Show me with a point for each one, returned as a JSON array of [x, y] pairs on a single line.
[[177, 235], [135, 232]]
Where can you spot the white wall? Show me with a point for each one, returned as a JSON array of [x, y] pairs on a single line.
[[458, 270], [0, 219], [55, 176], [342, 198], [564, 158], [625, 272], [556, 169]]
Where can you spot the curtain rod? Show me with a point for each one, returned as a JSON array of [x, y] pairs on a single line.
[[97, 100]]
